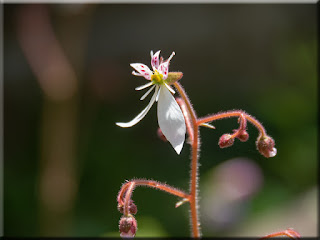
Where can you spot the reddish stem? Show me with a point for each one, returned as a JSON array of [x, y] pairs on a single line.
[[188, 104], [289, 233], [242, 126], [127, 198], [234, 113], [186, 115], [242, 122]]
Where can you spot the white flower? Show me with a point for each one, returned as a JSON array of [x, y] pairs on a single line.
[[170, 117]]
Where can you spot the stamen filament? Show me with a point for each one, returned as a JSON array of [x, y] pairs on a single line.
[[157, 98], [169, 88], [144, 86], [147, 93]]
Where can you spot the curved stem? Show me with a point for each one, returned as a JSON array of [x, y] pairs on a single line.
[[127, 198], [288, 233], [242, 126], [187, 102], [186, 115], [235, 113], [128, 187]]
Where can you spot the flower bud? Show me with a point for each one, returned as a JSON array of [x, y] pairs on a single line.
[[161, 135], [120, 207], [226, 140], [132, 208], [127, 226], [265, 146], [243, 136]]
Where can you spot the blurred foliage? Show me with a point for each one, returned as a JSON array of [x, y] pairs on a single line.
[[256, 57]]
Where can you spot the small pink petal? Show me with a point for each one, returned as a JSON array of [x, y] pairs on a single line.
[[164, 69], [155, 60], [142, 69], [164, 66]]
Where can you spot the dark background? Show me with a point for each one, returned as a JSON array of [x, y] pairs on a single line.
[[67, 80]]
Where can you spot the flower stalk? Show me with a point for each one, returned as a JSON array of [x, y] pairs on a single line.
[[233, 113], [177, 117]]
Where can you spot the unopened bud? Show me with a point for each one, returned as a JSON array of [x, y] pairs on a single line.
[[161, 135], [226, 140], [243, 136], [265, 146], [132, 208], [127, 226]]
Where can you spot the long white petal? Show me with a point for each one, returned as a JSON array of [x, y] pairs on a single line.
[[171, 120], [147, 93], [144, 86], [142, 114]]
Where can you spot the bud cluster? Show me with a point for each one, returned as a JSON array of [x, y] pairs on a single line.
[[132, 207], [227, 140]]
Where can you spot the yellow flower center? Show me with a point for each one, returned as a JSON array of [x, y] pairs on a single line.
[[157, 78]]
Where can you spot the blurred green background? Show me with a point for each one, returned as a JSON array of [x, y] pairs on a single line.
[[67, 80]]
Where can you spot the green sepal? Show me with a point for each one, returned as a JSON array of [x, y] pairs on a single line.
[[173, 77]]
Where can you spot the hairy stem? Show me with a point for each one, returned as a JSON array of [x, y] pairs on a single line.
[[194, 184], [194, 163]]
